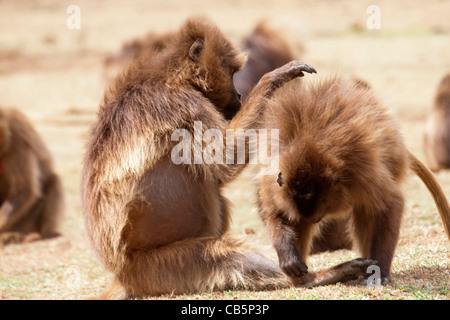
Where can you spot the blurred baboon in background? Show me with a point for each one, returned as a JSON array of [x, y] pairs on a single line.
[[119, 61], [437, 132], [268, 48], [31, 194]]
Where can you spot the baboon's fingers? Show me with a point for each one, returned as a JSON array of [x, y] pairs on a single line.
[[289, 71], [294, 267], [357, 266], [350, 270], [307, 68], [296, 68]]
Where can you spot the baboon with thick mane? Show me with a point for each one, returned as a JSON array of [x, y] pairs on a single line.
[[160, 227], [437, 132], [31, 194], [341, 155]]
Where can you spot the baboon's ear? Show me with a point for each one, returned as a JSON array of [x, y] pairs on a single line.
[[279, 179], [196, 49]]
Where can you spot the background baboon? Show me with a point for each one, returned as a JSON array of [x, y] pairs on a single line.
[[437, 132], [30, 191], [267, 48], [160, 227], [341, 155], [119, 61]]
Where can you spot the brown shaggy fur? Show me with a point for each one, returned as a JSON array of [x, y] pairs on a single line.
[[30, 191], [341, 155], [437, 132], [160, 227], [333, 236]]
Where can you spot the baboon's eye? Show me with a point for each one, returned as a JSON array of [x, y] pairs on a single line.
[[279, 179]]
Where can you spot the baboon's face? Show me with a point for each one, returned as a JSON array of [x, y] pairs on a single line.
[[223, 92], [234, 103], [314, 194], [219, 61], [307, 192]]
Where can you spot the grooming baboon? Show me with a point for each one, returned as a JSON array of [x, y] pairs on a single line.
[[30, 191], [437, 132], [267, 50], [341, 155], [160, 227]]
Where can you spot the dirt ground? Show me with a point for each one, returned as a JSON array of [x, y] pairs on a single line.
[[55, 75]]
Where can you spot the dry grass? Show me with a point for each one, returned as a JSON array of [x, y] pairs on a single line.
[[55, 76]]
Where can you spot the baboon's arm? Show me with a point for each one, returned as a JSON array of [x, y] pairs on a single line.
[[251, 115], [24, 181], [15, 207]]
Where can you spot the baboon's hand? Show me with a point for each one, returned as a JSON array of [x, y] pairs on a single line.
[[293, 265], [350, 270], [296, 68], [286, 73], [353, 269]]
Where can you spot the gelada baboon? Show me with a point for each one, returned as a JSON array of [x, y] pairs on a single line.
[[160, 227], [437, 132], [341, 155], [31, 194]]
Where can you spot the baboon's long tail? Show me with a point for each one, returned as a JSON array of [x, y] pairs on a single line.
[[196, 265], [435, 189]]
